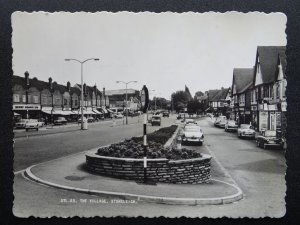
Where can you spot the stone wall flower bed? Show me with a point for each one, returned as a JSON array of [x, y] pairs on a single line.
[[164, 164], [188, 171]]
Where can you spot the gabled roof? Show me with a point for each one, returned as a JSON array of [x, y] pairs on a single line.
[[221, 95], [242, 79], [89, 89], [269, 58], [212, 94], [33, 82]]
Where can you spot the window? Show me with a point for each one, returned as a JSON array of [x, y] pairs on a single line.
[[44, 100], [65, 102], [75, 102], [16, 98], [35, 99], [24, 98]]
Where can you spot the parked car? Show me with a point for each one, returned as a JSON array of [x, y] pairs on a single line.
[[192, 134], [166, 114], [60, 121], [91, 119], [119, 115], [32, 125], [156, 120], [269, 138], [246, 130], [231, 125], [21, 123], [79, 120], [220, 121]]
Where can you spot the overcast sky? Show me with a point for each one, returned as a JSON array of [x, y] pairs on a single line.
[[163, 51]]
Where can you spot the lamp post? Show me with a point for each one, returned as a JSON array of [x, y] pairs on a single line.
[[81, 64], [126, 83]]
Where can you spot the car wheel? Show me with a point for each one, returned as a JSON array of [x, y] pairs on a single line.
[[200, 143], [37, 129]]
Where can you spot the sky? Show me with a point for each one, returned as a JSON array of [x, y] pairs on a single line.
[[164, 51]]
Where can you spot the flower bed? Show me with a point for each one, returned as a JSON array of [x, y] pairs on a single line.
[[133, 148], [124, 160]]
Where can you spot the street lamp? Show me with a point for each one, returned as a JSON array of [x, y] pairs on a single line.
[[126, 83], [81, 64]]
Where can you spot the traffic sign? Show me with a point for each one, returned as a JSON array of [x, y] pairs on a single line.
[[144, 99]]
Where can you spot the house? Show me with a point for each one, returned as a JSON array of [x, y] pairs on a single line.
[[242, 83], [117, 98], [268, 100], [219, 100]]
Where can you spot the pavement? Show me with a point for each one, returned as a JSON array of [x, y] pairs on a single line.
[[69, 173]]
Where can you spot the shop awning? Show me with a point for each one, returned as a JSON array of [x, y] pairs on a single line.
[[47, 111], [110, 111], [16, 114], [97, 112]]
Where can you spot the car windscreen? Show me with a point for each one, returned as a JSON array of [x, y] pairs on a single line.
[[192, 129], [245, 126], [270, 133]]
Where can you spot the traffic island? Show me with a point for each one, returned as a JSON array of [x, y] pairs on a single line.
[[68, 173]]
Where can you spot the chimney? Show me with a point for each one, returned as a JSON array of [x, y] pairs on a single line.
[[103, 91], [50, 82], [95, 89], [69, 86], [27, 77]]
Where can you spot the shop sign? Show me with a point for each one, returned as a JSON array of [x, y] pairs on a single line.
[[26, 107], [283, 106], [272, 107], [263, 120], [144, 99]]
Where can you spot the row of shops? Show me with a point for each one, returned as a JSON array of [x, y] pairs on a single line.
[[49, 114]]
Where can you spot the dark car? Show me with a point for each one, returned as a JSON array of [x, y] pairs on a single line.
[[156, 120], [60, 121], [269, 138], [91, 119], [166, 114]]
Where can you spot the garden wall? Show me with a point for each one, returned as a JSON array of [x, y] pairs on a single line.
[[188, 171]]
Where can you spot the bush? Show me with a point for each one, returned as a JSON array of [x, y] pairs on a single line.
[[133, 148]]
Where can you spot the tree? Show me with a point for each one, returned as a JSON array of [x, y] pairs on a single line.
[[180, 100], [199, 93], [194, 106]]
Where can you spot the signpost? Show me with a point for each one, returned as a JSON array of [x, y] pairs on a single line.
[[145, 104]]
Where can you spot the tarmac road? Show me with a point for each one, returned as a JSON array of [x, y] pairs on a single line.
[[258, 172]]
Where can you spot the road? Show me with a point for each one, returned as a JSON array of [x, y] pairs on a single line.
[[258, 172]]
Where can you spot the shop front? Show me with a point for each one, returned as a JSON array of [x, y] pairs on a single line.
[[28, 111]]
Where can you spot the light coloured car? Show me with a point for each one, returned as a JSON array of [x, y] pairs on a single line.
[[220, 121], [22, 123], [119, 115], [246, 130], [192, 134], [231, 125], [32, 125]]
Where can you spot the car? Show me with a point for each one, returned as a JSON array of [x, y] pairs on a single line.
[[189, 121], [246, 130], [231, 125], [220, 121], [21, 124], [60, 121], [192, 134], [32, 125], [119, 115], [269, 138], [156, 120], [84, 119], [166, 114], [91, 119]]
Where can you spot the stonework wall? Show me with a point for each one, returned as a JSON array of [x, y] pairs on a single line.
[[189, 171]]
